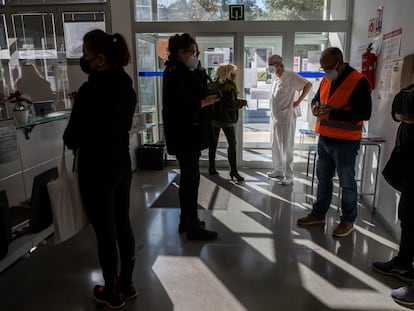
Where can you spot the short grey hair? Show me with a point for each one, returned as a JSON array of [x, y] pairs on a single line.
[[276, 59]]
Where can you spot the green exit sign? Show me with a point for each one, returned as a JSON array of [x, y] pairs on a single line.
[[236, 12]]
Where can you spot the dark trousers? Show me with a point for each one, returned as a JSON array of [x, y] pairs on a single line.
[[339, 156], [106, 201], [230, 134], [406, 215], [189, 183]]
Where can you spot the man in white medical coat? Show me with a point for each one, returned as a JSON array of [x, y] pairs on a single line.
[[284, 111]]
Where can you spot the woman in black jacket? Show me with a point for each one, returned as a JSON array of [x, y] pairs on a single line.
[[186, 126], [401, 266], [99, 129]]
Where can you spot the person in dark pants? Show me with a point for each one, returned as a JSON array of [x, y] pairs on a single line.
[[224, 115], [186, 126], [401, 266], [99, 130], [341, 104]]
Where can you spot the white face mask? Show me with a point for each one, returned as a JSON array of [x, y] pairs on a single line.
[[331, 75], [192, 62], [272, 69]]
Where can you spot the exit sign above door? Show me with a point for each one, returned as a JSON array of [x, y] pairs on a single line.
[[236, 12]]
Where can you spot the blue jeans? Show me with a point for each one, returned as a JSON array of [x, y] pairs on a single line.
[[340, 155]]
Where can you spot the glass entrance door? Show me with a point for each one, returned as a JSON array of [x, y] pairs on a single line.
[[216, 50], [249, 54], [257, 89]]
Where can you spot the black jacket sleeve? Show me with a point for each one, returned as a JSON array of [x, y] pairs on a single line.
[[360, 104]]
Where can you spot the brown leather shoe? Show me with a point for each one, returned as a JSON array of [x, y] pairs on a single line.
[[309, 220], [344, 228]]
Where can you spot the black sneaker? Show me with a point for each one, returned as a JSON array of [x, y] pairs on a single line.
[[183, 227], [129, 292], [393, 269], [112, 300], [200, 233]]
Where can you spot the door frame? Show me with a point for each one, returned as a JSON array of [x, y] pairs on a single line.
[[238, 60]]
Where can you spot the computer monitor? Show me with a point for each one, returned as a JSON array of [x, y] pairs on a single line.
[[5, 227], [40, 209], [43, 107]]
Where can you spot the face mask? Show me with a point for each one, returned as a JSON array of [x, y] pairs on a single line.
[[192, 62], [85, 65], [272, 69], [331, 75]]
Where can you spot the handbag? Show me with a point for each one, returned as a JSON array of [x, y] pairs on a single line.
[[69, 216], [399, 170]]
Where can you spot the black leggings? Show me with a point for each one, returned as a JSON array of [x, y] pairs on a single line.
[[230, 134], [189, 183], [406, 215], [106, 201]]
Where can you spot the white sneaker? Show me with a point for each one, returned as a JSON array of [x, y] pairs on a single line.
[[276, 175], [287, 181]]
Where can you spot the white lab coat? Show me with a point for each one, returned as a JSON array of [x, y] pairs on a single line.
[[284, 121]]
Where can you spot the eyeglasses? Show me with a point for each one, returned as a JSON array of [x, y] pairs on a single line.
[[272, 64], [329, 68]]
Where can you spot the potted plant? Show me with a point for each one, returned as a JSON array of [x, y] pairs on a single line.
[[21, 107], [71, 99]]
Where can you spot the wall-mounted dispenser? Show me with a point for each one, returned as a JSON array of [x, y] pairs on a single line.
[[402, 73]]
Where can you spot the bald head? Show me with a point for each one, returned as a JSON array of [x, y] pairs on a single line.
[[332, 58], [332, 55]]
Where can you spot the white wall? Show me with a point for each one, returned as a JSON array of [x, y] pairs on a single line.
[[121, 23], [397, 14]]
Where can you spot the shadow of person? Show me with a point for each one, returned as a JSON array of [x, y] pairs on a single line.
[[287, 252], [33, 85]]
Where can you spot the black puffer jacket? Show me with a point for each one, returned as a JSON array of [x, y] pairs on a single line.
[[100, 122], [403, 104], [186, 125]]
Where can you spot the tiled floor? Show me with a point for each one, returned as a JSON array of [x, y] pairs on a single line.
[[261, 261]]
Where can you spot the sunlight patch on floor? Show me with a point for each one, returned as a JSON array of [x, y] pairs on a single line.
[[376, 298], [192, 286], [346, 298]]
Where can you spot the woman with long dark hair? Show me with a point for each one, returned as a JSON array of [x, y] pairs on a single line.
[[186, 126], [99, 130]]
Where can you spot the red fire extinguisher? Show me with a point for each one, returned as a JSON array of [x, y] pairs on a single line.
[[369, 65]]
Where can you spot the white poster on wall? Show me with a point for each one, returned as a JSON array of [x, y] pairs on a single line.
[[74, 32], [313, 60], [390, 50], [213, 59]]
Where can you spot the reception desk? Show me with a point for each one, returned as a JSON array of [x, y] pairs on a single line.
[[27, 150]]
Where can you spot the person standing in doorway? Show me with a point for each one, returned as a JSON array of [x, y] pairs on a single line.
[[341, 104], [284, 110], [224, 116], [187, 125], [98, 129]]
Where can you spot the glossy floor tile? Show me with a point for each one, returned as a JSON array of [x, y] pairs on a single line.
[[261, 261]]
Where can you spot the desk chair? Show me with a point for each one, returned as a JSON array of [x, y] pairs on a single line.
[[303, 133]]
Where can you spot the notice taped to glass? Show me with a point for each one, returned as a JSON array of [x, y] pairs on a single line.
[[8, 145]]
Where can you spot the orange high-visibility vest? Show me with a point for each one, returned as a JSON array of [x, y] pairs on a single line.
[[347, 130]]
